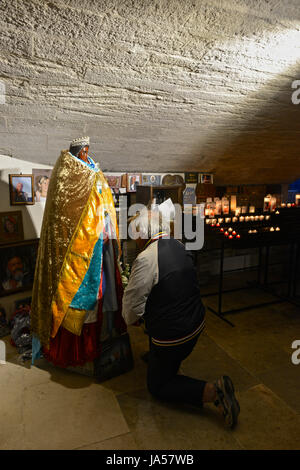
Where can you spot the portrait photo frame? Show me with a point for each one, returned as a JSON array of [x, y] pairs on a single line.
[[207, 178], [11, 227], [133, 179], [17, 266], [21, 189], [114, 181], [41, 179]]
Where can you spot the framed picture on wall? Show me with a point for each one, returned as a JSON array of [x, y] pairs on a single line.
[[17, 266], [41, 180], [21, 189], [191, 178], [133, 179], [207, 178], [11, 227], [113, 181], [152, 180]]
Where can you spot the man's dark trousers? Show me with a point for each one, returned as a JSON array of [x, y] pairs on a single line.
[[163, 379]]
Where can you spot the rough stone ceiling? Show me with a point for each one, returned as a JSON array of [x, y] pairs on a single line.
[[159, 85]]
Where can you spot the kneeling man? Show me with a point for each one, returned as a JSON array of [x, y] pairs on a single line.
[[163, 290]]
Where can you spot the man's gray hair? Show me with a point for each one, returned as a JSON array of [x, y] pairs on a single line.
[[148, 223]]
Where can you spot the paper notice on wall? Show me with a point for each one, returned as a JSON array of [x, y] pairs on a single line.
[[167, 209], [189, 195]]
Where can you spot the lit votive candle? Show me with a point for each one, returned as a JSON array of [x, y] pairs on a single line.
[[272, 229], [242, 218], [252, 218], [261, 217], [227, 220], [277, 229], [234, 219]]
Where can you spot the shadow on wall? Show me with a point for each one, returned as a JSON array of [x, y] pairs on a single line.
[[263, 148]]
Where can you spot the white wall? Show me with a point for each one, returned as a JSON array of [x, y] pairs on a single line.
[[32, 214]]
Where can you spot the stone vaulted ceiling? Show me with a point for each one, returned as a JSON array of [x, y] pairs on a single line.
[[158, 85]]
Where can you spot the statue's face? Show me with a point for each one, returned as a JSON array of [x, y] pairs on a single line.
[[83, 154]]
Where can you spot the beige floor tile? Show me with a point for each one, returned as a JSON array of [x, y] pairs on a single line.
[[123, 442], [209, 361], [11, 393], [266, 422], [12, 436], [256, 351], [57, 417], [161, 426], [285, 382]]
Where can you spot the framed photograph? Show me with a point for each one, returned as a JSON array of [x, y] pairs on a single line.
[[17, 266], [206, 178], [11, 227], [41, 180], [114, 181], [151, 180], [133, 179], [21, 189], [191, 178]]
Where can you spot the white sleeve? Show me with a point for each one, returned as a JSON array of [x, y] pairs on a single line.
[[144, 275]]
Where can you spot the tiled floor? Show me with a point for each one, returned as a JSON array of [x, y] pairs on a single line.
[[43, 407]]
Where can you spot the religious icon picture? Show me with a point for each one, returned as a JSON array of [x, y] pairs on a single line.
[[17, 267], [191, 178], [151, 180], [21, 189], [206, 178], [41, 180], [133, 179], [113, 181], [11, 227]]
